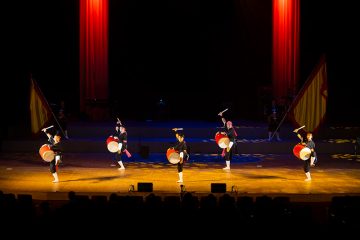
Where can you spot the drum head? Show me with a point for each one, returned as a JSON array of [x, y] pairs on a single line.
[[46, 153], [48, 156], [224, 142], [113, 147], [305, 153], [174, 158]]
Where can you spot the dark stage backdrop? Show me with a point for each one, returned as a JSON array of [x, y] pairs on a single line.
[[198, 57]]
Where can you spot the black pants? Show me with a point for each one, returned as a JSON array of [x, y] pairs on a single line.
[[307, 165], [180, 167], [53, 166], [228, 155], [118, 155]]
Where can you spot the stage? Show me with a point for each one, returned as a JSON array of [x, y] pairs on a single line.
[[250, 175], [265, 186]]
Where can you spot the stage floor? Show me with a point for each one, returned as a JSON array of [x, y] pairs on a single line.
[[256, 174]]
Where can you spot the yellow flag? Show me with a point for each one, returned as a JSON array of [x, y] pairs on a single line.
[[310, 105], [39, 108]]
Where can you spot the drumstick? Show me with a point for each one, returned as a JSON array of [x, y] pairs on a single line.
[[299, 128], [118, 121], [48, 127], [220, 113]]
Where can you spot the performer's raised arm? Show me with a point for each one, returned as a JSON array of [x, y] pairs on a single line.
[[118, 122], [47, 134], [298, 135], [176, 132], [222, 118]]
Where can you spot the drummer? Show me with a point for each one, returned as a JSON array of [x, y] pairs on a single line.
[[182, 149], [231, 134], [309, 143], [121, 134], [56, 147]]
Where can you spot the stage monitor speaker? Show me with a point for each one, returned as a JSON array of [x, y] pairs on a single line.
[[145, 187], [218, 187]]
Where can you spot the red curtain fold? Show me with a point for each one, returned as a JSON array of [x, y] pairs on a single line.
[[94, 28], [286, 31]]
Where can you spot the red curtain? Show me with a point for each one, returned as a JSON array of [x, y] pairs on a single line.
[[286, 30], [94, 30]]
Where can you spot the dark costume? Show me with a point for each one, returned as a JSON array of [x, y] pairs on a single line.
[[57, 148], [183, 151]]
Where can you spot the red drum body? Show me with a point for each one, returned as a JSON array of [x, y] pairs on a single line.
[[46, 153], [302, 152], [172, 156], [112, 144], [222, 140]]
